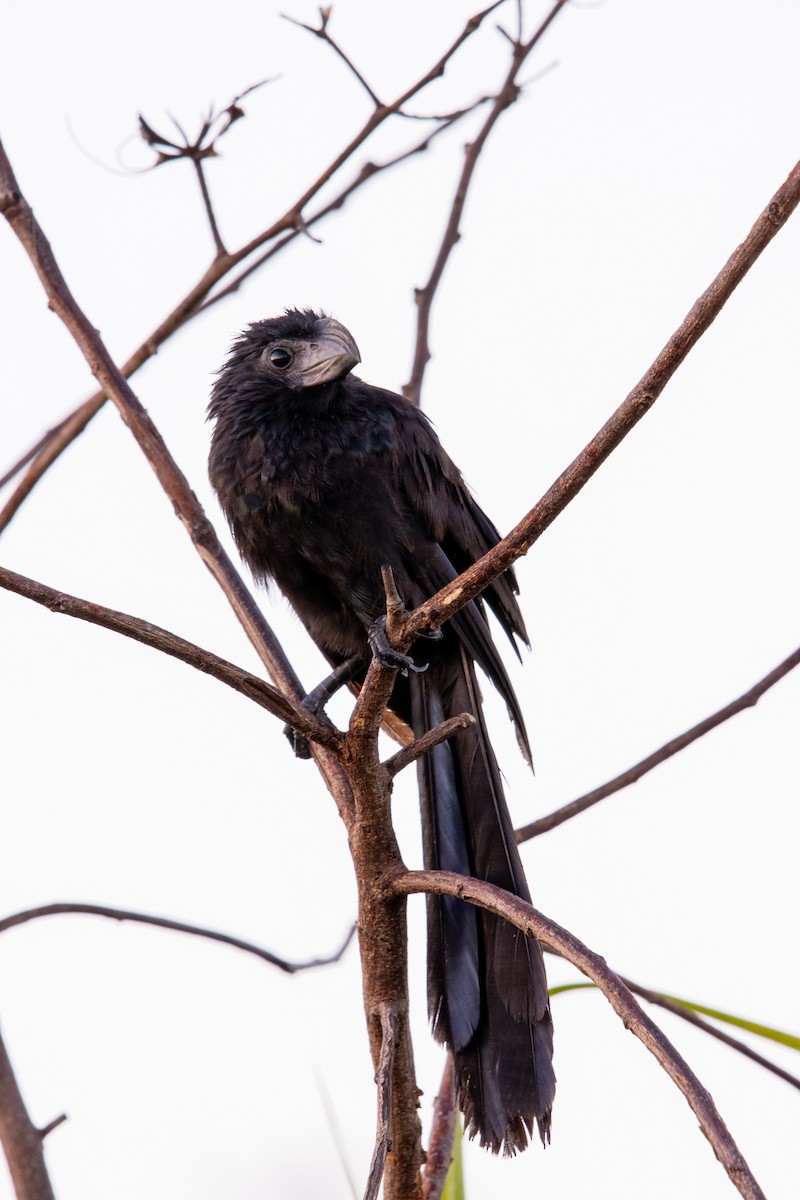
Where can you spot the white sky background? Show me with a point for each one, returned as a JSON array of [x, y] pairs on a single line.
[[606, 202]]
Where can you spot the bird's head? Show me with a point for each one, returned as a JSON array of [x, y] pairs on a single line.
[[301, 349]]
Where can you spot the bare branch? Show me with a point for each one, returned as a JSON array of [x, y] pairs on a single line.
[[425, 296], [440, 1143], [312, 727], [524, 917], [22, 1141], [124, 914], [427, 741], [634, 773], [383, 1080], [455, 595], [322, 32], [51, 1125]]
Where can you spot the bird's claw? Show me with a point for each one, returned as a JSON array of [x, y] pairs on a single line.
[[296, 740], [298, 743], [384, 653]]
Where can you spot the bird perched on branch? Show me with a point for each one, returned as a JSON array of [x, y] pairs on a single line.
[[325, 479]]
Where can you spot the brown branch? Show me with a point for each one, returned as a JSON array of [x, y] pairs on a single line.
[[455, 595], [211, 217], [383, 1079], [187, 308], [424, 743], [443, 1130], [22, 1142], [312, 728], [524, 917], [20, 216], [123, 914], [51, 1125], [382, 928], [322, 32], [424, 296], [634, 773]]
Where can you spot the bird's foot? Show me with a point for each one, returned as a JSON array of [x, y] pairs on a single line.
[[299, 744], [385, 654]]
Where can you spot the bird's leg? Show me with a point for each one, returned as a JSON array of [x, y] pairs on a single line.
[[384, 653], [319, 696]]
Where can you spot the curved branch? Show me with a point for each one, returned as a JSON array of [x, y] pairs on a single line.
[[634, 773], [312, 727], [124, 914], [455, 595], [551, 935]]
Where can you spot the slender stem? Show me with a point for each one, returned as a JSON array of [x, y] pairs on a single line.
[[425, 296], [212, 220], [748, 700], [124, 914], [427, 741]]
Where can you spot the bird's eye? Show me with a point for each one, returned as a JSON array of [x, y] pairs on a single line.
[[280, 358]]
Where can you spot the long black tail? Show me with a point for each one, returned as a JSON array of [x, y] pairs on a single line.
[[487, 991]]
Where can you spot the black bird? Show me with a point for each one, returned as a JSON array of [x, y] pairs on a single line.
[[324, 479]]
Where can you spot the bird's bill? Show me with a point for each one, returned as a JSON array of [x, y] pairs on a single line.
[[331, 355]]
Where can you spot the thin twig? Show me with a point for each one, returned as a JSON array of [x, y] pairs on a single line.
[[424, 743], [209, 208], [425, 296], [523, 916], [22, 1141], [383, 1080], [312, 727], [322, 32], [455, 595], [51, 1125], [440, 1142], [634, 773], [123, 914]]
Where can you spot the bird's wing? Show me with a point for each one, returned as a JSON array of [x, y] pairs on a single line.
[[449, 515]]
